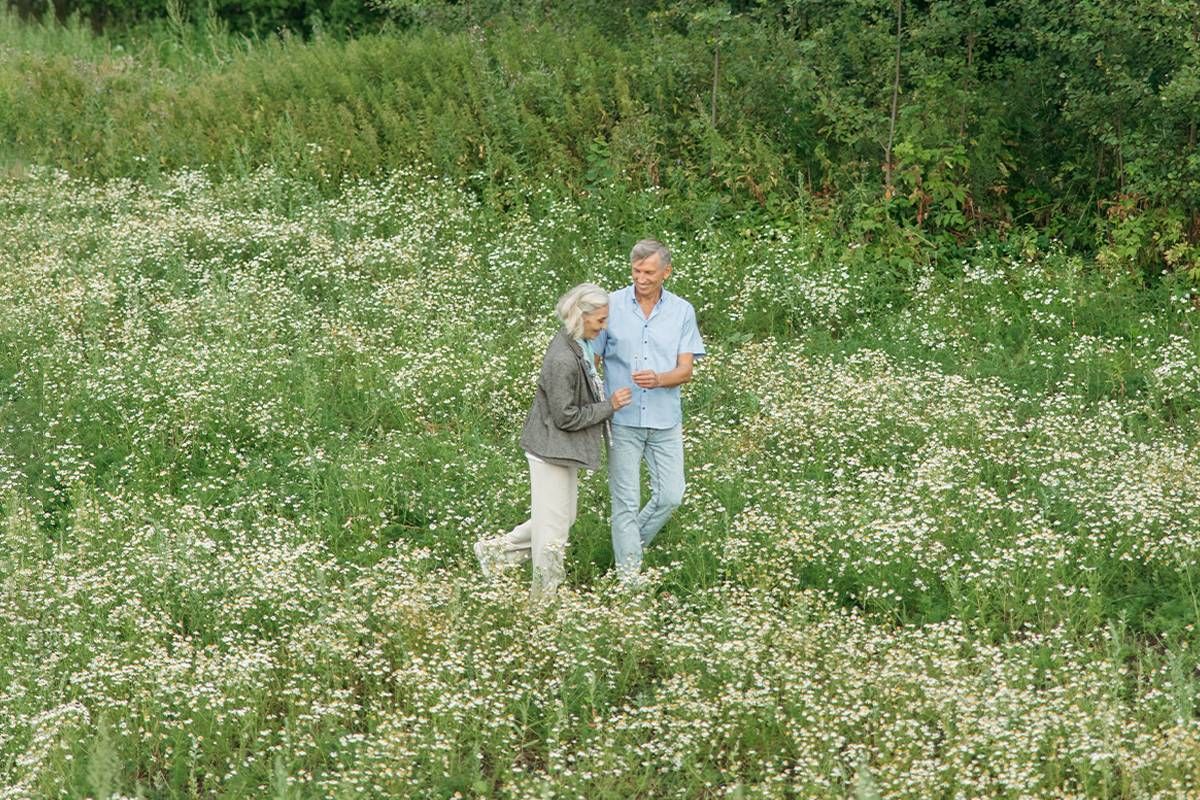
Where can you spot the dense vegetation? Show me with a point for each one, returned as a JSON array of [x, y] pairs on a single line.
[[929, 123], [271, 308]]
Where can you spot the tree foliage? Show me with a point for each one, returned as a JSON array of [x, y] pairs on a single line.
[[1077, 118], [246, 16]]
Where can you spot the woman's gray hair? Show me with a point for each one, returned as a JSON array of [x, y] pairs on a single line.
[[582, 299], [650, 247]]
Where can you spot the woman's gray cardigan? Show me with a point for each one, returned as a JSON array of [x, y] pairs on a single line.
[[566, 422]]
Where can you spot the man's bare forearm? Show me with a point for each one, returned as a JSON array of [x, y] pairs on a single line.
[[674, 377]]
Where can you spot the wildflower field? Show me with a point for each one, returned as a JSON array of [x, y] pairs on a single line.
[[940, 537]]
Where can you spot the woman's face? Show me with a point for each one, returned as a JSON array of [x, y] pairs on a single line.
[[595, 322]]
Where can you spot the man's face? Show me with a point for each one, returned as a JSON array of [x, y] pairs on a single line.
[[648, 276]]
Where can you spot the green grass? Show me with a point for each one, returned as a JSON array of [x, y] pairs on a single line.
[[251, 433], [938, 539]]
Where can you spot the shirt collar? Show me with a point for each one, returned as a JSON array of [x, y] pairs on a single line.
[[662, 296]]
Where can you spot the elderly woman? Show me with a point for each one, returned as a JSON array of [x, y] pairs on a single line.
[[562, 433]]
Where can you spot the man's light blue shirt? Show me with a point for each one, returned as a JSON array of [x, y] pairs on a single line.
[[633, 342]]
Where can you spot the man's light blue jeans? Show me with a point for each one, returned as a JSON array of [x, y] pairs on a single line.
[[633, 528]]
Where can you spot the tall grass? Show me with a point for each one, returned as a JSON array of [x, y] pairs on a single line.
[[484, 105]]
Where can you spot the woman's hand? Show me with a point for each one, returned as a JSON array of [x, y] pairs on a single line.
[[621, 398]]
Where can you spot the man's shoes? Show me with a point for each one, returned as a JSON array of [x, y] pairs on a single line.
[[631, 580]]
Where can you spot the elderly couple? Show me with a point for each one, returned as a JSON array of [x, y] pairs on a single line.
[[647, 340]]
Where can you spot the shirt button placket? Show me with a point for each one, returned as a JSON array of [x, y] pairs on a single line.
[[645, 354]]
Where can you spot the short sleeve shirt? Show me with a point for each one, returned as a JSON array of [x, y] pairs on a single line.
[[634, 342]]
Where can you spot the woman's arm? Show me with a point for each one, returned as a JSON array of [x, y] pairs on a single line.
[[562, 384]]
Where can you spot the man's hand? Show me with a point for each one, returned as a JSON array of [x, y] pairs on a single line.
[[621, 398], [649, 379], [646, 379]]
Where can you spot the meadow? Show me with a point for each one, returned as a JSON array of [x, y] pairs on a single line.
[[250, 433], [260, 393]]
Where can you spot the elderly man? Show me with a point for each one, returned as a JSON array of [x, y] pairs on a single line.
[[650, 344]]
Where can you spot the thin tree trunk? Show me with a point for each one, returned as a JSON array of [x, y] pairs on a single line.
[[1120, 160], [966, 84], [1194, 227], [716, 77], [888, 167]]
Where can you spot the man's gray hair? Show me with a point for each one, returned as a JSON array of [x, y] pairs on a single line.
[[578, 301], [650, 247]]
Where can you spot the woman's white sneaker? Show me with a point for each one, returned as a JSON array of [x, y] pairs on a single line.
[[489, 558]]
